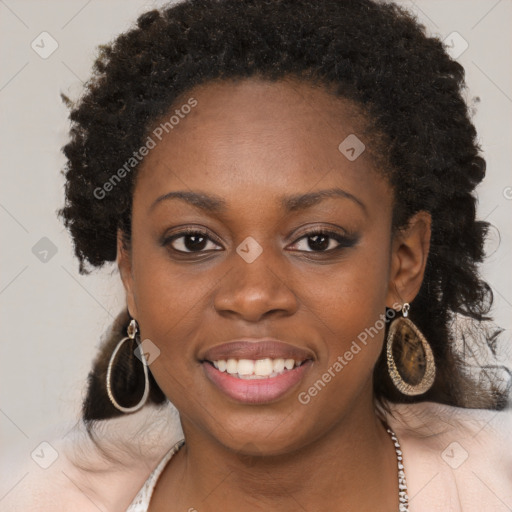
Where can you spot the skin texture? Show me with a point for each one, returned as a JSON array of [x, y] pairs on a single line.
[[251, 143]]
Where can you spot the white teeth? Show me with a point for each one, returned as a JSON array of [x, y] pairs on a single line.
[[289, 364], [232, 366], [278, 365], [245, 367], [263, 367], [250, 369]]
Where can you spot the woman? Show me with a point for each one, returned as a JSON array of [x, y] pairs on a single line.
[[287, 189]]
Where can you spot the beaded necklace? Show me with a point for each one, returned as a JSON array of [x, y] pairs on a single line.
[[403, 498]]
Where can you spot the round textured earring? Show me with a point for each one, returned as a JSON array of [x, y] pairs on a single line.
[[132, 332], [410, 356]]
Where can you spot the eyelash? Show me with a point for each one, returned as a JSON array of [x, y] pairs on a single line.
[[343, 240]]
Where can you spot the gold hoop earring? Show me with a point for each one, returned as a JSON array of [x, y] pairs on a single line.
[[132, 332], [407, 353]]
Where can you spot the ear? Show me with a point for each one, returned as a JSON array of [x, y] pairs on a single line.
[[409, 254], [124, 263]]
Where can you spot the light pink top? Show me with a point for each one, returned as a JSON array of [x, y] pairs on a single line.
[[457, 460], [141, 502]]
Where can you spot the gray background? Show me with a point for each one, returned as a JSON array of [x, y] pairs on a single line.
[[51, 317]]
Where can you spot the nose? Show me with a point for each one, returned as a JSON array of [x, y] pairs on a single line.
[[255, 290]]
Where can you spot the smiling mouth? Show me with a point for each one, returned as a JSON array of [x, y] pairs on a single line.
[[260, 381], [256, 371], [249, 369]]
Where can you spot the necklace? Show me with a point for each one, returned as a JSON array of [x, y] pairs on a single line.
[[403, 498]]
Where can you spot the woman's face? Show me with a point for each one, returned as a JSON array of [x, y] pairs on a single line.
[[252, 158]]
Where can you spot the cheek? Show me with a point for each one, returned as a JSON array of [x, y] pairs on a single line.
[[169, 306], [351, 314], [169, 300], [351, 307], [356, 288]]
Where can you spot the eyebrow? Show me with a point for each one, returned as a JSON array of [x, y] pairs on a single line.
[[293, 203]]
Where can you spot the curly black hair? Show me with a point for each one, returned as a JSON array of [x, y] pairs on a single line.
[[377, 56]]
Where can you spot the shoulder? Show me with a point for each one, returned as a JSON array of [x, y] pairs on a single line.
[[455, 458], [104, 472]]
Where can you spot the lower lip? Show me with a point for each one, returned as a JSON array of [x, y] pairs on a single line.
[[256, 391]]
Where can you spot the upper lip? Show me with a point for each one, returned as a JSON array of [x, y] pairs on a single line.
[[261, 348]]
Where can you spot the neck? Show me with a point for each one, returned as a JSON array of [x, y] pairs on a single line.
[[351, 467]]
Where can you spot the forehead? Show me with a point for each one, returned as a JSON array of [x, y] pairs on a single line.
[[259, 139]]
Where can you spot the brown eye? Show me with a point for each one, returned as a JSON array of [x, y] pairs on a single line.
[[190, 241], [324, 241]]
